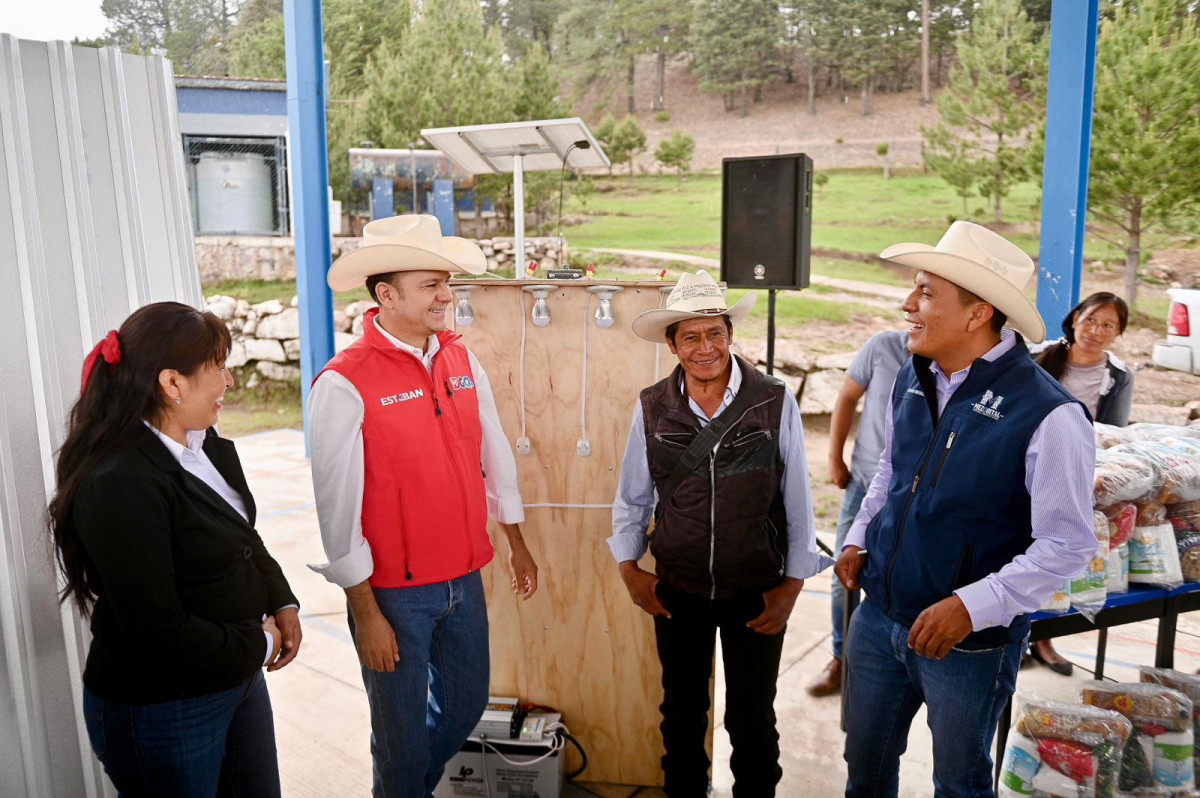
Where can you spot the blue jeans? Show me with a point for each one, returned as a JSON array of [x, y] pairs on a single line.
[[423, 712], [887, 683], [855, 493], [215, 745]]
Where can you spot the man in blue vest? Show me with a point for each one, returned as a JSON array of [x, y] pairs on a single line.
[[981, 507]]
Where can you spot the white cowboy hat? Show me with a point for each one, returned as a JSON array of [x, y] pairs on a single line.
[[408, 243], [693, 297], [985, 263]]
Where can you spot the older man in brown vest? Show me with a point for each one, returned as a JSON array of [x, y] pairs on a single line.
[[716, 455]]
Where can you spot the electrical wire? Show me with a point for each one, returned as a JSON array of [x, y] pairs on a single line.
[[562, 174], [662, 303], [587, 310], [521, 381]]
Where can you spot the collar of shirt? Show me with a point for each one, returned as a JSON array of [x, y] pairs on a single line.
[[735, 384], [432, 345], [195, 443], [946, 386]]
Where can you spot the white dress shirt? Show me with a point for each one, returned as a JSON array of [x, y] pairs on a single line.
[[637, 496], [335, 413], [194, 461], [1059, 471]]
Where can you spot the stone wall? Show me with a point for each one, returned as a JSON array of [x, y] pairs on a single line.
[[274, 257]]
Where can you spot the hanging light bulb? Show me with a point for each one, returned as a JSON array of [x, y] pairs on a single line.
[[464, 314], [604, 311], [541, 308]]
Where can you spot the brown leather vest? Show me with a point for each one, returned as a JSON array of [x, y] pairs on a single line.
[[724, 529]]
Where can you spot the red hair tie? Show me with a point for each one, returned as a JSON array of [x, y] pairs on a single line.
[[109, 349]]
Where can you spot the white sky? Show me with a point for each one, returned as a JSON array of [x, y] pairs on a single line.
[[52, 19]]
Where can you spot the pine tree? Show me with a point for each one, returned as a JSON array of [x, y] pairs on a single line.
[[676, 151], [537, 87], [993, 101], [448, 70], [1146, 127], [736, 47], [627, 141]]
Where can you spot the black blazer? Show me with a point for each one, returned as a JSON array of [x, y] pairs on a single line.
[[182, 580]]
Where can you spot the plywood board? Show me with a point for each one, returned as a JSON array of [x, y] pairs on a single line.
[[580, 645]]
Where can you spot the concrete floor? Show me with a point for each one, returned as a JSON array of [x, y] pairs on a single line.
[[321, 714]]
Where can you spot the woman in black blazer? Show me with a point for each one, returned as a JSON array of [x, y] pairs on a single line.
[[153, 526]]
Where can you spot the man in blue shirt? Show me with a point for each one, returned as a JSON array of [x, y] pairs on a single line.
[[872, 373], [982, 506]]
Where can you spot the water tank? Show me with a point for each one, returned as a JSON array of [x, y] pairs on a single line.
[[234, 194]]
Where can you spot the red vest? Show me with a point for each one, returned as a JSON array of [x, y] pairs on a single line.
[[424, 508]]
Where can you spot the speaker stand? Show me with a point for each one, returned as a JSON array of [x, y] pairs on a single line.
[[771, 331]]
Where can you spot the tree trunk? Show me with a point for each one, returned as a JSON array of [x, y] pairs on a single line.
[[938, 74], [998, 175], [745, 102], [812, 88], [758, 93], [1133, 254], [660, 102], [867, 96], [629, 84], [925, 99]]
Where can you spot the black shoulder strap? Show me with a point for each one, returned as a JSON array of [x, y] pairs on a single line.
[[704, 442]]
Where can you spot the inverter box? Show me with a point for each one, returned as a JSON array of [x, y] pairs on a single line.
[[477, 771]]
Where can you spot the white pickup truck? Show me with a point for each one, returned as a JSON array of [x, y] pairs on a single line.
[[1181, 350]]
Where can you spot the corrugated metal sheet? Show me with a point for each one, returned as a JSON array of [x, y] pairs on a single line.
[[94, 222]]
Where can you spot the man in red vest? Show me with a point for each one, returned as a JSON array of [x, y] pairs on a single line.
[[408, 461]]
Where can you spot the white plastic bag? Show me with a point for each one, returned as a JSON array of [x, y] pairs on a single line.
[[1153, 557]]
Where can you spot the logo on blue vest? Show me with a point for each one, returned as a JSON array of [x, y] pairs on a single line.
[[461, 383], [917, 391], [989, 405]]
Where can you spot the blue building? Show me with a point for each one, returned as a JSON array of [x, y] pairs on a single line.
[[235, 153]]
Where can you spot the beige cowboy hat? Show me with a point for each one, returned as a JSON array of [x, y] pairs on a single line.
[[693, 297], [409, 243], [985, 263]]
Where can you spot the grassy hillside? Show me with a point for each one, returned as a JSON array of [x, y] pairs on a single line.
[[857, 213]]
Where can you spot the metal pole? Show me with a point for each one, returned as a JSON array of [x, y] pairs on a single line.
[[412, 166], [1068, 153], [771, 331], [310, 181], [519, 213]]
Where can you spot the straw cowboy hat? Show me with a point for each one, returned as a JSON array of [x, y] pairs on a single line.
[[695, 296], [408, 243], [986, 264]]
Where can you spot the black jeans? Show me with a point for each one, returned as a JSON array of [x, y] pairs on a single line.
[[685, 649]]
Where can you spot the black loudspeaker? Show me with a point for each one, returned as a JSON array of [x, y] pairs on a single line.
[[766, 221]]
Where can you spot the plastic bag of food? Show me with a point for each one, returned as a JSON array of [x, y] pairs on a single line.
[[1107, 435], [1189, 685], [1062, 750], [1185, 520], [1146, 431], [1123, 516], [1059, 601], [1154, 557], [1151, 513], [1159, 754], [1117, 578], [1122, 475], [1088, 590]]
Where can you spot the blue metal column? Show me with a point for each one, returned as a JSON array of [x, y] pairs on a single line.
[[443, 206], [310, 185], [383, 202], [1068, 153]]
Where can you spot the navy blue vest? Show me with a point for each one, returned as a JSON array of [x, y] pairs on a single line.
[[957, 508]]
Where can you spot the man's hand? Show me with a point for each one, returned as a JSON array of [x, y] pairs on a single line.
[[848, 565], [373, 634], [838, 473], [939, 628], [640, 585], [520, 561], [288, 621], [779, 601]]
